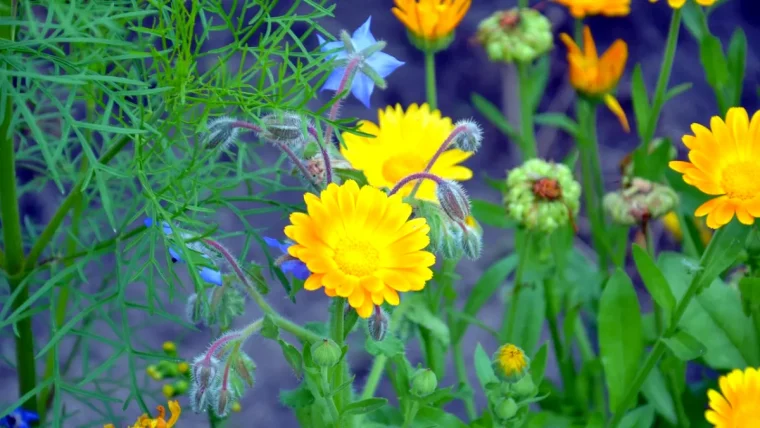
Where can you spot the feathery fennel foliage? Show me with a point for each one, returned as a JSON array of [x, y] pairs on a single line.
[[104, 103]]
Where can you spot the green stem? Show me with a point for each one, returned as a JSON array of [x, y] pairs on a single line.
[[508, 323], [282, 322], [337, 332], [527, 128], [461, 370], [659, 347], [662, 82], [410, 413], [378, 365], [435, 352], [326, 390], [588, 356], [565, 362], [681, 417], [432, 96], [12, 237], [591, 176]]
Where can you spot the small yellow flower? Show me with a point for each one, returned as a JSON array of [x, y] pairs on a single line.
[[724, 161], [168, 390], [584, 8], [236, 407], [431, 19], [360, 244], [159, 422], [738, 402], [153, 372], [677, 4], [510, 362], [404, 143], [595, 76], [169, 347], [673, 226], [183, 367]]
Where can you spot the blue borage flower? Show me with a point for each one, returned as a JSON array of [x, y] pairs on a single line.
[[291, 266], [382, 63], [19, 418], [209, 275]]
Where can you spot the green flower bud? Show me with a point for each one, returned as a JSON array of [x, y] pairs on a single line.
[[452, 242], [436, 220], [524, 388], [325, 353], [430, 45], [472, 244], [424, 382], [453, 200], [225, 304], [245, 368], [283, 127], [640, 202], [222, 132], [515, 35], [222, 401], [510, 363], [506, 409], [470, 138], [542, 195]]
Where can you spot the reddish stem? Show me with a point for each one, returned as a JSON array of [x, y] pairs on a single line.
[[217, 344], [442, 148], [350, 70], [415, 176]]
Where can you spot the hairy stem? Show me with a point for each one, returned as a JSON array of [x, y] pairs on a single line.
[[441, 149], [351, 69], [378, 364], [416, 176], [337, 332]]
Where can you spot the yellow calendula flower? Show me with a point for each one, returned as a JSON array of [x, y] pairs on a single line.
[[359, 243], [404, 143], [510, 362], [738, 402], [677, 4], [673, 226], [431, 20], [597, 76], [159, 422], [584, 8], [724, 161]]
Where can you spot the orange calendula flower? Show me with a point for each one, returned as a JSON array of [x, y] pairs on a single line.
[[595, 76], [584, 8], [359, 243], [677, 4], [431, 20], [738, 402], [724, 161], [159, 422]]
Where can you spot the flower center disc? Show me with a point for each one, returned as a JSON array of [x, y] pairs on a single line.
[[401, 165], [356, 258], [740, 180]]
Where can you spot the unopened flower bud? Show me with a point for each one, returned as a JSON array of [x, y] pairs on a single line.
[[506, 409], [325, 353], [183, 367], [377, 324], [472, 244], [424, 382], [153, 372], [193, 310], [454, 200], [204, 370], [221, 132], [452, 243], [245, 368], [283, 127], [510, 363], [524, 388], [471, 138], [222, 402], [168, 390], [436, 219], [198, 399], [170, 348], [516, 35]]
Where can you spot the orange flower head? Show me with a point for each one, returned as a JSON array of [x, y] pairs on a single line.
[[584, 8], [431, 20], [597, 76], [738, 402], [723, 161], [160, 421], [677, 4]]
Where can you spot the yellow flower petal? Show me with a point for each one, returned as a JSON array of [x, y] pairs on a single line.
[[584, 8], [738, 402]]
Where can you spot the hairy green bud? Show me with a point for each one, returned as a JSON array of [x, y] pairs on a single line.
[[377, 324], [424, 382], [452, 242], [453, 200], [283, 127], [471, 138], [325, 353], [472, 244], [222, 132]]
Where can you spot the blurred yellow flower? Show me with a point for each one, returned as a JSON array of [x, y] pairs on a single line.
[[595, 76], [738, 402], [404, 143], [673, 226], [159, 422], [724, 161], [584, 8], [360, 244], [677, 4], [431, 19]]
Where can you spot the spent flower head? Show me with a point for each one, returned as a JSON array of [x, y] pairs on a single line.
[[515, 35], [642, 201], [372, 64], [542, 195]]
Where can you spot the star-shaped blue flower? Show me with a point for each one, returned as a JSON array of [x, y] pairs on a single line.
[[295, 267], [382, 63], [19, 418], [207, 274]]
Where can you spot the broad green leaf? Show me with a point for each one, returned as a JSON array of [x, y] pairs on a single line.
[[651, 166], [269, 329], [364, 406], [713, 61], [297, 398], [483, 368], [539, 77], [737, 59], [642, 417], [431, 417], [494, 115], [684, 346], [538, 364], [620, 340], [390, 346], [292, 356], [749, 287], [422, 316], [529, 320], [491, 214], [558, 120], [641, 108], [694, 20], [492, 279], [653, 279], [655, 390]]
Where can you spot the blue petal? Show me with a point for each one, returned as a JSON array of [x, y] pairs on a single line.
[[148, 222], [362, 88], [175, 255], [29, 416], [277, 245], [383, 64], [333, 81], [362, 37], [211, 276], [296, 268]]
